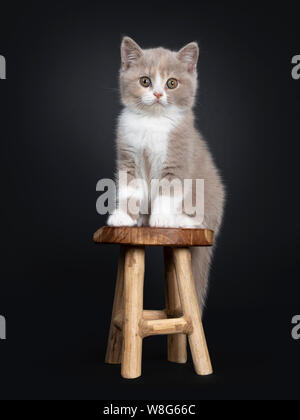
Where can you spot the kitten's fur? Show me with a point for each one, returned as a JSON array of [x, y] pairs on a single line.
[[159, 140]]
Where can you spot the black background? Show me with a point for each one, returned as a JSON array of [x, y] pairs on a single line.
[[58, 109]]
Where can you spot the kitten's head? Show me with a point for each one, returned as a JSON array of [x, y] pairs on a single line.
[[155, 80]]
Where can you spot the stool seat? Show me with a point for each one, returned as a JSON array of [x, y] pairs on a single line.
[[143, 236]]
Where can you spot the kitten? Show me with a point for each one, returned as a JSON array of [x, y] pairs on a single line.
[[157, 139]]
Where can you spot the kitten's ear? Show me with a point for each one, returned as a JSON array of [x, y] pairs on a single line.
[[130, 51], [189, 55]]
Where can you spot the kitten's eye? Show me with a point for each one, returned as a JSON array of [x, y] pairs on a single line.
[[172, 83], [145, 81]]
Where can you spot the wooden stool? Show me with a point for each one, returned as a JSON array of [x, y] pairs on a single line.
[[130, 323]]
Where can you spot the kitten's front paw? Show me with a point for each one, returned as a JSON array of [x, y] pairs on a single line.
[[175, 221], [187, 222], [162, 220], [120, 218]]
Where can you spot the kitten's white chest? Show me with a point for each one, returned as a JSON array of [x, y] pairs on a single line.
[[148, 136]]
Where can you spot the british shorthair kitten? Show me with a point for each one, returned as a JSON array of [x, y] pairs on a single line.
[[157, 140]]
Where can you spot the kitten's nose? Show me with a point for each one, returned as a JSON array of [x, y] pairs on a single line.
[[157, 95]]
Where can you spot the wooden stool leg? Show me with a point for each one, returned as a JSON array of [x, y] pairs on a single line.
[[133, 312], [189, 301], [115, 338], [176, 342]]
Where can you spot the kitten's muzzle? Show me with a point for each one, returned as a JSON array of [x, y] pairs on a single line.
[[158, 95]]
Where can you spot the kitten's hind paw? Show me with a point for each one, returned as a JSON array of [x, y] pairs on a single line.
[[120, 218]]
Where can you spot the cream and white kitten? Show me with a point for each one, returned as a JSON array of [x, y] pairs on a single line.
[[157, 139]]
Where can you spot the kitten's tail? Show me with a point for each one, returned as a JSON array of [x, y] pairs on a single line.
[[201, 260]]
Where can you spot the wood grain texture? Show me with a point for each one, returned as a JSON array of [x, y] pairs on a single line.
[[147, 315], [165, 326], [154, 236], [115, 337], [191, 311], [133, 312], [177, 352], [150, 315]]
